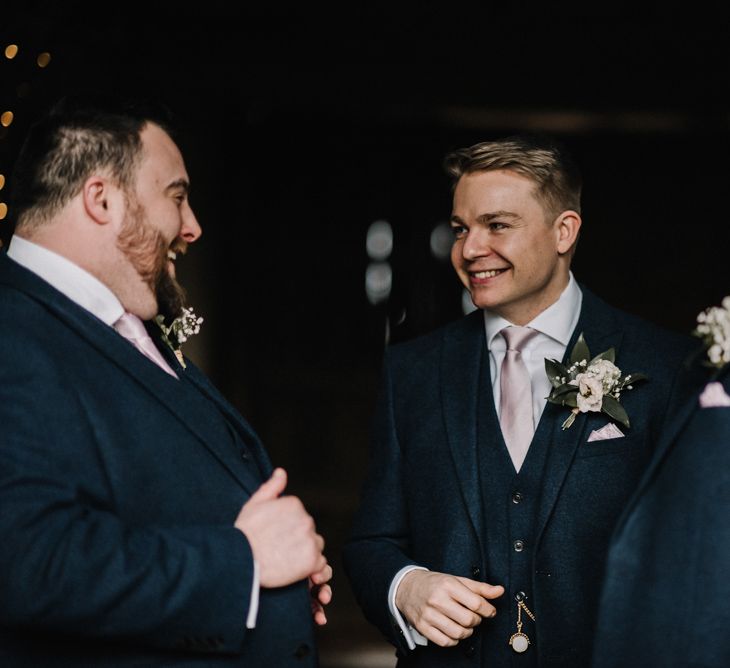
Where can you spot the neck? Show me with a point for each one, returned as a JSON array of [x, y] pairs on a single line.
[[93, 248], [526, 311]]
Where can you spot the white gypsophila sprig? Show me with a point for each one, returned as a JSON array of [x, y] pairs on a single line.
[[713, 327], [186, 325], [180, 330]]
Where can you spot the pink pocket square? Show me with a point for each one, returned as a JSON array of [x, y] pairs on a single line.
[[714, 395], [604, 433]]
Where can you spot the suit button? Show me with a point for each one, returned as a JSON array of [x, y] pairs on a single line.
[[302, 651], [476, 571], [518, 545], [517, 497], [469, 650]]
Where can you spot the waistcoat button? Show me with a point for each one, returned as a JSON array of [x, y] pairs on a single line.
[[302, 651]]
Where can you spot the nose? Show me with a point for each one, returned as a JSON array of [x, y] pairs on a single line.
[[476, 244], [190, 230]]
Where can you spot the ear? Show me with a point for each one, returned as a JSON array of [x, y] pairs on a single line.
[[567, 226], [99, 196]]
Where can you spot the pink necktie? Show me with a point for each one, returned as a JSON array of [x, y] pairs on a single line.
[[515, 407], [132, 329]]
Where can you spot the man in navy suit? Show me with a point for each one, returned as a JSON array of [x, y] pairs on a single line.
[[665, 598], [485, 518], [141, 521]]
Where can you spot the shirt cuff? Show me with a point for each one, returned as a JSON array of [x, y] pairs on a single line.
[[253, 606], [412, 636]]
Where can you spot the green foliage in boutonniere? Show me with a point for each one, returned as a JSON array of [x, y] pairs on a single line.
[[179, 331], [590, 384], [713, 327]]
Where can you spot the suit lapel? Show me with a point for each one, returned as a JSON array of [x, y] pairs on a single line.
[[668, 438], [462, 361], [128, 359], [601, 332], [201, 383], [245, 431], [695, 377]]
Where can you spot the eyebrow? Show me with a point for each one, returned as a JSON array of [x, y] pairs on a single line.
[[487, 217], [184, 184]]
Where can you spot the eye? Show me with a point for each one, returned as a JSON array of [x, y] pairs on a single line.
[[496, 226], [458, 230]]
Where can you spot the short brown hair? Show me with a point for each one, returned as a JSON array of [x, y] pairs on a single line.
[[543, 161], [78, 136]]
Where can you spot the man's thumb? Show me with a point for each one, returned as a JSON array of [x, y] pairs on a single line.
[[272, 488]]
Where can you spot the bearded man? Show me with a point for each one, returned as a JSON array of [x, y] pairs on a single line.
[[141, 521]]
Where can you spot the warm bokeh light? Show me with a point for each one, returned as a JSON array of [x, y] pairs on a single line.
[[11, 50], [2, 181], [6, 118], [3, 210], [43, 59]]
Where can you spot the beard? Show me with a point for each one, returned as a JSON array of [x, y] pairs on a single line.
[[146, 249]]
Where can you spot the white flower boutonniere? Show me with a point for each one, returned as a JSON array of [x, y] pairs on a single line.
[[590, 384], [179, 331], [713, 327]]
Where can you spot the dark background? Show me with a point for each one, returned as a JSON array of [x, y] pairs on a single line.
[[302, 126]]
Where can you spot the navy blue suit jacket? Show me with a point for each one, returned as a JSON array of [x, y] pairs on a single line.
[[422, 498], [666, 600], [117, 503]]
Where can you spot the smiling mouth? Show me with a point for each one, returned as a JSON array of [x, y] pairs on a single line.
[[172, 256], [176, 249], [481, 275]]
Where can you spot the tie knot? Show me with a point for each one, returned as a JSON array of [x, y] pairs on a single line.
[[517, 337], [131, 327]]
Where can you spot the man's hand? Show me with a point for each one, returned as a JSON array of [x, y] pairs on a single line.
[[321, 593], [445, 608], [282, 535]]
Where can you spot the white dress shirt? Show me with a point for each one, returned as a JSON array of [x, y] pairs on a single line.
[[555, 326], [76, 283], [91, 294]]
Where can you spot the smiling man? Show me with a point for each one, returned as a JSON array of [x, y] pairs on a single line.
[[486, 515], [141, 521]]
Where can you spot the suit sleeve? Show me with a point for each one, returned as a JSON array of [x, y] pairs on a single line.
[[378, 545], [69, 564]]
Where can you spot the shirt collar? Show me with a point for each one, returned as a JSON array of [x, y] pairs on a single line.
[[68, 278], [557, 321]]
